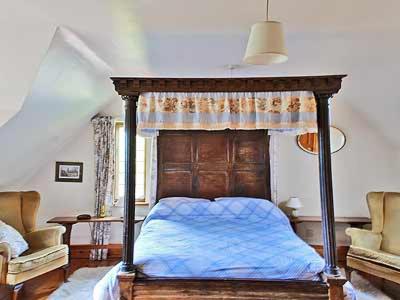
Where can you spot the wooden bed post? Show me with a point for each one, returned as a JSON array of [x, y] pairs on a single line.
[[326, 190], [334, 277], [130, 173]]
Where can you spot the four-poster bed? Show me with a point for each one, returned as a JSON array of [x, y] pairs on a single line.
[[133, 287]]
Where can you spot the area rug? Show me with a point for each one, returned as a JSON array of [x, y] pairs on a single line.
[[364, 290], [80, 284]]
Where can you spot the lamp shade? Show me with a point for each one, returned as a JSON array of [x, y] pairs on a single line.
[[266, 44], [294, 202]]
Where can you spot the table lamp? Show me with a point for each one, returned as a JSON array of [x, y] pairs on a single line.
[[295, 204]]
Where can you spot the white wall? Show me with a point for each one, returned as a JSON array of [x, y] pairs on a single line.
[[367, 162], [69, 198]]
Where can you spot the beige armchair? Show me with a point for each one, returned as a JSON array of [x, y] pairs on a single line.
[[46, 253], [377, 251]]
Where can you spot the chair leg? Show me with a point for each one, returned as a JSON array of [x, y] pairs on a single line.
[[66, 272], [348, 272], [15, 290]]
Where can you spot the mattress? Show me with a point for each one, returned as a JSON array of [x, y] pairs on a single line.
[[231, 239]]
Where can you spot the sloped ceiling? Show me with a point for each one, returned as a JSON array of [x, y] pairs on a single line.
[[186, 38], [71, 86]]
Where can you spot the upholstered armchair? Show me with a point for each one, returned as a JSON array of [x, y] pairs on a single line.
[[377, 251], [45, 253]]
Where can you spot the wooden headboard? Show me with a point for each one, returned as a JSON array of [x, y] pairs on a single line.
[[210, 164]]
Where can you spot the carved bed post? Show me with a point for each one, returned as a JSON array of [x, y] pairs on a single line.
[[334, 278], [326, 190], [130, 173]]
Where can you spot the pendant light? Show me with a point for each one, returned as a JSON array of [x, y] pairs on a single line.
[[266, 43]]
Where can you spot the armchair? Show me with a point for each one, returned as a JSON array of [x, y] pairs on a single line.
[[377, 251], [45, 253]]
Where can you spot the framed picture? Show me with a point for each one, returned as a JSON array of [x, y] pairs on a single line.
[[69, 171]]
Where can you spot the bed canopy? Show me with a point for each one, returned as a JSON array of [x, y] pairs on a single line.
[[286, 104], [288, 112]]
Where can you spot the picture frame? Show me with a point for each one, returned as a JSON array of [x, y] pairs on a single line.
[[69, 171]]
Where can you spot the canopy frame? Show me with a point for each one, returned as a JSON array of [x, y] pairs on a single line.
[[323, 87]]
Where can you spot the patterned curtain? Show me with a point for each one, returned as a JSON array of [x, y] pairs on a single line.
[[104, 143], [281, 111], [273, 157], [153, 172]]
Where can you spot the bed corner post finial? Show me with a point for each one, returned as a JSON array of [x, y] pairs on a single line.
[[326, 190], [130, 171]]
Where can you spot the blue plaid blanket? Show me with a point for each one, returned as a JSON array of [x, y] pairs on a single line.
[[231, 238]]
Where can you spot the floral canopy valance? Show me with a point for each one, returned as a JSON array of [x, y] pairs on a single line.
[[277, 111]]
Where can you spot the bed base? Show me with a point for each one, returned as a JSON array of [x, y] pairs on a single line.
[[135, 288]]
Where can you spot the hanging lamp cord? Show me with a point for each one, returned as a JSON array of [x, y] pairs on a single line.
[[267, 10]]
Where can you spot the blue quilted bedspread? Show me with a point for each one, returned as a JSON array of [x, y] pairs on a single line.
[[235, 238]]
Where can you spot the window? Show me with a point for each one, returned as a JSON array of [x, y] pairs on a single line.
[[141, 146]]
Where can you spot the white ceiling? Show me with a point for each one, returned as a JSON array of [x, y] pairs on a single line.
[[360, 38]]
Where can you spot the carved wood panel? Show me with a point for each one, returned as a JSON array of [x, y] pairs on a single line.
[[210, 164], [203, 289]]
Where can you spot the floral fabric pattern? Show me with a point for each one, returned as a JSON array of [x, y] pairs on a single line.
[[153, 173], [104, 141], [273, 162], [217, 111]]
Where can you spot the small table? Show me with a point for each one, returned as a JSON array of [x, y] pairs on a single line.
[[68, 222], [352, 221]]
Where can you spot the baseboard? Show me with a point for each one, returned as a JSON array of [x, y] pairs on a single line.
[[80, 255], [341, 252], [82, 251]]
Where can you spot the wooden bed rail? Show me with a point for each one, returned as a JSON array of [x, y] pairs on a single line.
[[204, 289]]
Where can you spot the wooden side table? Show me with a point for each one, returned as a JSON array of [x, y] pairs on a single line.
[[352, 221], [68, 222]]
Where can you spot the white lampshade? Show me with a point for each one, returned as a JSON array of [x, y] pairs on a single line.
[[266, 44], [294, 202]]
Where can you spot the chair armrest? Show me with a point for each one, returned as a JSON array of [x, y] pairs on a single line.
[[5, 256], [45, 237], [5, 251], [364, 238]]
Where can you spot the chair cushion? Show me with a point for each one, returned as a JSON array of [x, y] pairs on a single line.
[[377, 256], [36, 259], [13, 238]]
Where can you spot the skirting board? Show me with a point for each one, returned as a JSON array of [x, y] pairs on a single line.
[[82, 251], [341, 253], [115, 252], [80, 256]]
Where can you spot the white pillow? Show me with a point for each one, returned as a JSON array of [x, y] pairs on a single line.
[[12, 237], [183, 199]]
